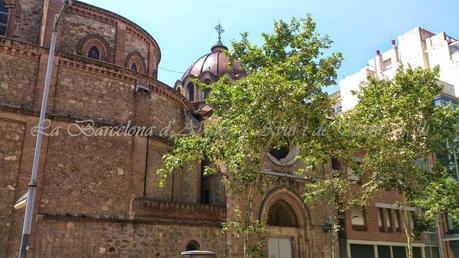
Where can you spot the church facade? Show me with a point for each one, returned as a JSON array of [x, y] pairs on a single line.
[[98, 194]]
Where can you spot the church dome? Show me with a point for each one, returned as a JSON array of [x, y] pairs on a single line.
[[213, 65], [208, 68]]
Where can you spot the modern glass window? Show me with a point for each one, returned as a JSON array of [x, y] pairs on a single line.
[[389, 220], [417, 253], [412, 215], [358, 218], [397, 221], [431, 249], [363, 251], [351, 172], [399, 251], [94, 53], [384, 251], [381, 219], [338, 109], [453, 228], [352, 175], [432, 252], [3, 18]]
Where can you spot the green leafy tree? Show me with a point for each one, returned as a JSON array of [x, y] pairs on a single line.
[[400, 128], [278, 103]]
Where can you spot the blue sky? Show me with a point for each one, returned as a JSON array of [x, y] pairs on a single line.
[[184, 29]]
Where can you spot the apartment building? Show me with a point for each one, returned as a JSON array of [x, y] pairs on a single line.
[[376, 231]]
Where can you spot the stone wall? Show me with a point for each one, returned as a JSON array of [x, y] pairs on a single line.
[[80, 177], [165, 114], [25, 21], [93, 95], [154, 162], [11, 143], [87, 175], [135, 44], [182, 188], [76, 27], [17, 79], [89, 238]]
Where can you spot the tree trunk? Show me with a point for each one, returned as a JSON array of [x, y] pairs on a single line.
[[247, 222], [407, 227], [335, 228]]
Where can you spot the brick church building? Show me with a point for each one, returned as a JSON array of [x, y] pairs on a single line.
[[98, 195]]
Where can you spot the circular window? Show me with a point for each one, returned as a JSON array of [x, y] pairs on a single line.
[[284, 156], [280, 153]]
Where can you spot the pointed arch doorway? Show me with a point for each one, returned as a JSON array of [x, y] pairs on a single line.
[[287, 225]]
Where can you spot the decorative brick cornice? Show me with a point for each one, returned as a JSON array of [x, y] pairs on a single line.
[[93, 66], [111, 18], [146, 208], [124, 74], [18, 48]]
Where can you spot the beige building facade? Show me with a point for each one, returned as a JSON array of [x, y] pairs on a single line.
[[417, 48]]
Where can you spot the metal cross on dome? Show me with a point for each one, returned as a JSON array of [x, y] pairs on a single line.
[[220, 30]]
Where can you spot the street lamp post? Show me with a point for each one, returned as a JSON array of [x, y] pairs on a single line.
[[36, 158]]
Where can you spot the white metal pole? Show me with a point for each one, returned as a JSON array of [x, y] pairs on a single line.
[[36, 157]]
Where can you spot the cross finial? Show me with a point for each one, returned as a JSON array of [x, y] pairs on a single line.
[[220, 30]]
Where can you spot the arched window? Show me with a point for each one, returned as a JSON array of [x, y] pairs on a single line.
[[3, 18], [94, 46], [190, 89], [192, 246], [135, 62], [206, 92], [134, 67], [281, 214], [94, 53]]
